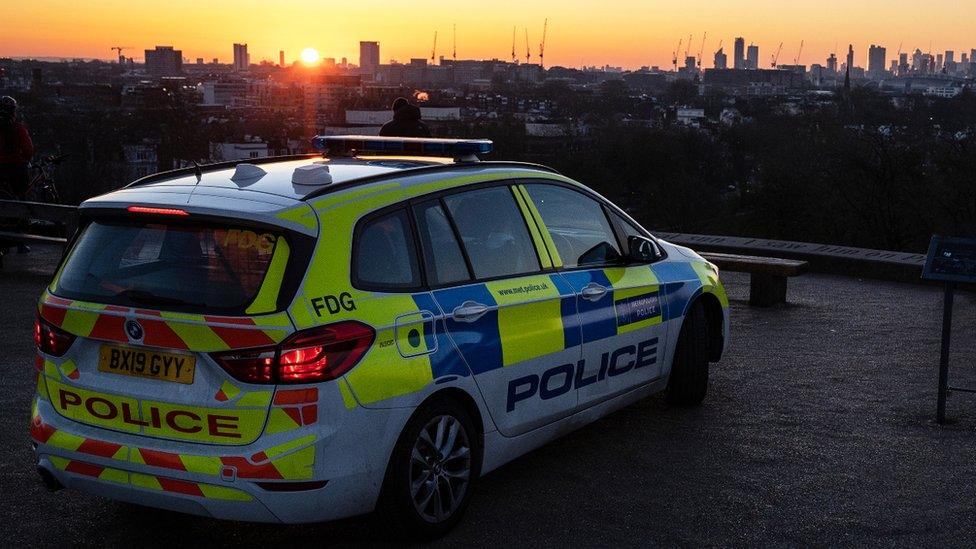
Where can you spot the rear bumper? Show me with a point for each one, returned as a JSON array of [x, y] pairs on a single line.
[[345, 463]]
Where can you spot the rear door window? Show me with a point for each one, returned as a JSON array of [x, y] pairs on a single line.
[[442, 253], [493, 232], [198, 268]]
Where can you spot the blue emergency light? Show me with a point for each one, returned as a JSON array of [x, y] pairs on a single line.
[[340, 145]]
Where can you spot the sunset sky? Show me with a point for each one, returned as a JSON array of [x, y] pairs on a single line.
[[628, 33]]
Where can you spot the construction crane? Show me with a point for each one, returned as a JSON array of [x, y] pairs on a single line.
[[688, 47], [674, 56], [528, 54], [454, 52], [776, 56], [542, 45], [433, 51], [119, 49], [796, 60], [514, 58], [701, 50]]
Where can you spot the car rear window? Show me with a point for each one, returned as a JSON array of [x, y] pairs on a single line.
[[384, 257], [205, 268]]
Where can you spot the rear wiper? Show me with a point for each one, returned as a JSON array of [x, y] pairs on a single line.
[[144, 297]]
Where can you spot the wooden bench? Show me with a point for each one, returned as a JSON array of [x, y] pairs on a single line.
[[767, 275]]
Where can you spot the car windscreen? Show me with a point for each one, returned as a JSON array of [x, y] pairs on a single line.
[[182, 267]]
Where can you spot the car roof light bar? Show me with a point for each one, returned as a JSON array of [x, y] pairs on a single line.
[[462, 150]]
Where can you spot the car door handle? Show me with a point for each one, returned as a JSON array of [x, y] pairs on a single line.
[[593, 292], [469, 311]]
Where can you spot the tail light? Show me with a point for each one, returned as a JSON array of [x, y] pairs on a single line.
[[50, 339], [317, 354], [250, 365]]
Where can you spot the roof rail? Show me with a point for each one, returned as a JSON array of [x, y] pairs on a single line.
[[421, 171], [204, 168]]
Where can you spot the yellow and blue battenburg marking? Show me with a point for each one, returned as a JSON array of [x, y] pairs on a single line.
[[444, 361], [682, 282]]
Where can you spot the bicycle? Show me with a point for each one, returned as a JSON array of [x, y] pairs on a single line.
[[42, 187]]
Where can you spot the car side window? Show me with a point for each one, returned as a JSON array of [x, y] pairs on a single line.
[[385, 256], [493, 232], [577, 224], [629, 228], [442, 253]]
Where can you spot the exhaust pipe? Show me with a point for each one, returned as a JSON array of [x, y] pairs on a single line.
[[50, 482]]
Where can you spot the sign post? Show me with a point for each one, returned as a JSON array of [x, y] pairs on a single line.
[[944, 354], [950, 260]]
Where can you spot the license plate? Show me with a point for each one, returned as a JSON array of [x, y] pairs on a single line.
[[134, 362]]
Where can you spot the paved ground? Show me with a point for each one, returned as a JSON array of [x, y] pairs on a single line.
[[817, 430]]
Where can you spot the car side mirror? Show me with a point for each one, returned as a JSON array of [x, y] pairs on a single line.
[[641, 250]]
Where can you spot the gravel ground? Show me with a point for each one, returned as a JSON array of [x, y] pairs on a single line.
[[817, 430]]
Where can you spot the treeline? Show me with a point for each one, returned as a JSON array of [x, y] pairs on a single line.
[[854, 170], [857, 169]]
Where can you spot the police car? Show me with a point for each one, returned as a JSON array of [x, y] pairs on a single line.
[[306, 338]]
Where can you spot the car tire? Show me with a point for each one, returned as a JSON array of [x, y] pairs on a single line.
[[419, 471], [688, 381]]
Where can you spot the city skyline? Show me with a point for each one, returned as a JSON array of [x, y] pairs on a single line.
[[640, 34]]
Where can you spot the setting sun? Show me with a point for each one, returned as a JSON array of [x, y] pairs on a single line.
[[310, 56]]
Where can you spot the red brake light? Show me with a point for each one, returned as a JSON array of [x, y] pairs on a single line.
[[50, 339], [156, 211], [316, 354], [323, 353]]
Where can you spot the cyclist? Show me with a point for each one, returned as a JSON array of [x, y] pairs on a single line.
[[16, 150]]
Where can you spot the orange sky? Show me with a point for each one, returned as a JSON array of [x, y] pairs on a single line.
[[628, 33]]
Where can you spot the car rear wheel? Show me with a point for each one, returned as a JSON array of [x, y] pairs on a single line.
[[688, 381], [432, 472]]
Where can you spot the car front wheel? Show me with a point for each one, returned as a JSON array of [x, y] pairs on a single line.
[[688, 381]]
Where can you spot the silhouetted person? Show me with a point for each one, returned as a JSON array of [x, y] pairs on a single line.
[[16, 150], [406, 121]]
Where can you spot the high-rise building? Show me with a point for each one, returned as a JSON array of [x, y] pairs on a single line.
[[938, 63], [281, 58], [164, 61], [832, 64], [950, 57], [369, 57], [918, 60], [242, 60], [877, 58], [903, 63], [850, 57], [739, 55], [721, 60], [752, 57]]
